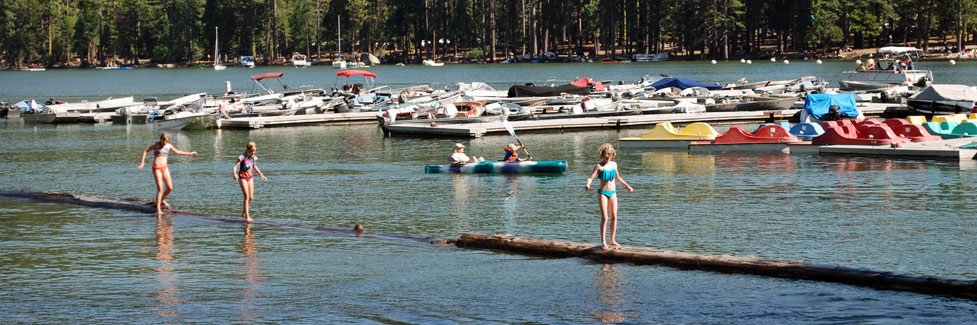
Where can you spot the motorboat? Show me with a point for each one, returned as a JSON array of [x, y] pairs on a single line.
[[944, 99], [651, 57], [469, 108], [247, 61], [300, 60], [900, 71]]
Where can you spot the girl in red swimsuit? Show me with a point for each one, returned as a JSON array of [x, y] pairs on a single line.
[[161, 150], [244, 170]]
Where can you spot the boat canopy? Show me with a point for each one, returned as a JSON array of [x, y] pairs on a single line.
[[682, 84], [535, 91], [355, 72], [818, 105], [584, 82], [947, 93], [898, 50], [267, 75]]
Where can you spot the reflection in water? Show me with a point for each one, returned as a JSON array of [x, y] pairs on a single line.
[[749, 163], [252, 274], [168, 297], [218, 146], [674, 162], [609, 298], [461, 187]]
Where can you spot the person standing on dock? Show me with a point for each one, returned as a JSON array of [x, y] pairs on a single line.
[[608, 174], [161, 173], [244, 169]]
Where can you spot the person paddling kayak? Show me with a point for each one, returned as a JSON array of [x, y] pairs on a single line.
[[512, 154]]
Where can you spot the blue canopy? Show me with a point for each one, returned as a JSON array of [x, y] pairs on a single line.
[[682, 83], [817, 105]]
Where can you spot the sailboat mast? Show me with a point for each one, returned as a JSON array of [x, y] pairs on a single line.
[[215, 46], [339, 35]]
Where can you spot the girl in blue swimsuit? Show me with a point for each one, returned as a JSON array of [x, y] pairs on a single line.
[[608, 174]]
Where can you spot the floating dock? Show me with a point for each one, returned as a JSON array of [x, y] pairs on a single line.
[[475, 130], [297, 120]]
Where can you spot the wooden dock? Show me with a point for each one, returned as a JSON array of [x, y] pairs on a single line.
[[297, 120], [475, 130], [791, 269]]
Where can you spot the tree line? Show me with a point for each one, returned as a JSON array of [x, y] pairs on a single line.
[[100, 32]]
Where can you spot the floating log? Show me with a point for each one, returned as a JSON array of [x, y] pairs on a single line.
[[150, 208], [725, 263]]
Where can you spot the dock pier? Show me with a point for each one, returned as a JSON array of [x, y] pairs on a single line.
[[475, 130], [297, 120]]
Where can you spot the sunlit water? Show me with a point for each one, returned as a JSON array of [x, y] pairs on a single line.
[[61, 262]]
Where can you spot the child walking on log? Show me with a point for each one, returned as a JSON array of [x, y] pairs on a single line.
[[244, 170], [607, 172], [161, 150]]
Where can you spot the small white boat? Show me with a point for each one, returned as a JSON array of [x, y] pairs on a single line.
[[300, 61], [181, 120], [431, 63]]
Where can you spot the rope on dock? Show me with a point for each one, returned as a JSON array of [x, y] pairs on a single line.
[[790, 269]]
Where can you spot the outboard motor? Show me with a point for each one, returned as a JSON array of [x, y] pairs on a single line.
[[834, 113]]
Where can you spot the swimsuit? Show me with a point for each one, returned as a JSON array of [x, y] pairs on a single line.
[[608, 194], [246, 165], [161, 153], [607, 175]]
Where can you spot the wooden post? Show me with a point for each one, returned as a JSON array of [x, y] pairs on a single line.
[[725, 263]]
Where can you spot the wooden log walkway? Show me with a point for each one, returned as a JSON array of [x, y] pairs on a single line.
[[724, 263], [149, 208], [558, 248]]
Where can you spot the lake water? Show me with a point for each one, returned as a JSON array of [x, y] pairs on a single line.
[[69, 263]]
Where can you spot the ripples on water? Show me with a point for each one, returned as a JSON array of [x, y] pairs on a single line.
[[68, 263]]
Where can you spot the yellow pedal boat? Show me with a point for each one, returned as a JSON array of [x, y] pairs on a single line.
[[664, 135]]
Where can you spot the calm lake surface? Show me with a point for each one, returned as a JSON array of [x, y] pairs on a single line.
[[66, 263]]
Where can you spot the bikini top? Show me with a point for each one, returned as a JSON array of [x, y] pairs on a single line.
[[246, 163], [607, 175], [162, 152]]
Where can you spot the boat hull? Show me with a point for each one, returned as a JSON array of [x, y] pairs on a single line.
[[933, 107], [501, 167]]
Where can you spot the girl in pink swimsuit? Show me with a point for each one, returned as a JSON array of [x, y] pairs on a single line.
[[244, 170], [161, 150]]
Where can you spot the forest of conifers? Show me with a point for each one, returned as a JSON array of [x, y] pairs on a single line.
[[96, 32]]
